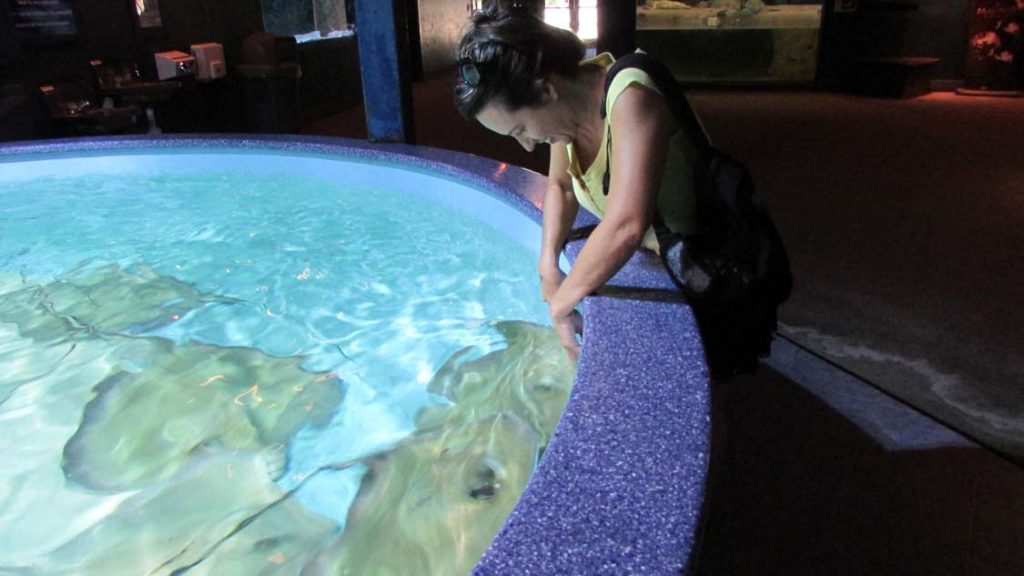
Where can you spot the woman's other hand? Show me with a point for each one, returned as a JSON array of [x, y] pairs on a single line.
[[567, 326]]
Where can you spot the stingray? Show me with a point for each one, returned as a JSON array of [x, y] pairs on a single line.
[[101, 300], [530, 377], [37, 510], [144, 425], [433, 504], [279, 539], [221, 515], [439, 498]]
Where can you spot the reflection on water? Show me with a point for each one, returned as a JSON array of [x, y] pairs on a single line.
[[153, 456]]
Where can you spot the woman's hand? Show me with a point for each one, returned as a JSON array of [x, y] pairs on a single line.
[[567, 325]]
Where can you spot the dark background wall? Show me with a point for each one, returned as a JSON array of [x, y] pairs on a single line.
[[10, 52], [907, 28], [939, 29], [330, 79], [440, 24], [107, 30]]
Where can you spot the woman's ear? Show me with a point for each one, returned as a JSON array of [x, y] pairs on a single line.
[[548, 92]]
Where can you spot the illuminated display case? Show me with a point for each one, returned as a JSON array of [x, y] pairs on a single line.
[[732, 41]]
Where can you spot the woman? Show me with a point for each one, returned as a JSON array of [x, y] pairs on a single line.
[[523, 78]]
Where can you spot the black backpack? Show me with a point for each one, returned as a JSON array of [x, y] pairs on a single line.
[[734, 270]]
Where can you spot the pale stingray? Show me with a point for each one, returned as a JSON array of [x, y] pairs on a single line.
[[221, 514], [433, 504], [101, 300], [143, 426], [530, 377], [439, 498]]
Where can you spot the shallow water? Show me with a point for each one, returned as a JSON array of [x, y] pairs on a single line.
[[227, 375]]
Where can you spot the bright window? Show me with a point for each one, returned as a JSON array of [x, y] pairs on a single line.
[[583, 23]]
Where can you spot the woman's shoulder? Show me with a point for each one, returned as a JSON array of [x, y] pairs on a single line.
[[623, 81]]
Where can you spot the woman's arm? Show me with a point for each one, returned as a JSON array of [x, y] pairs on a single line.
[[559, 212], [642, 125]]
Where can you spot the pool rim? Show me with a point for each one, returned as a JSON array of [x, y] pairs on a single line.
[[585, 510]]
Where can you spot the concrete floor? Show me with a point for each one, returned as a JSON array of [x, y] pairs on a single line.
[[815, 473]]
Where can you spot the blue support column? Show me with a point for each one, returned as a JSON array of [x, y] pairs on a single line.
[[381, 29]]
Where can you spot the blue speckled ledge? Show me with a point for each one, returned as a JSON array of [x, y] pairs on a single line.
[[620, 488]]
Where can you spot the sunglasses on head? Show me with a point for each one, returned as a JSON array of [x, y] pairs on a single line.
[[469, 72]]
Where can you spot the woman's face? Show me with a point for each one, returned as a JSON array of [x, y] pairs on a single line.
[[543, 124]]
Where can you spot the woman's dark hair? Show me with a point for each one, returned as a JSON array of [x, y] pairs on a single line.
[[502, 54]]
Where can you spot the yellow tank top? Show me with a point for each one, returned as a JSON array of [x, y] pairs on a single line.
[[676, 197]]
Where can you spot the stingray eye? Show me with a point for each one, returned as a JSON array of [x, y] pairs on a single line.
[[485, 492], [268, 544], [484, 484]]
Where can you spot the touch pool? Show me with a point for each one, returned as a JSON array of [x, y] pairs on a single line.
[[620, 482]]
